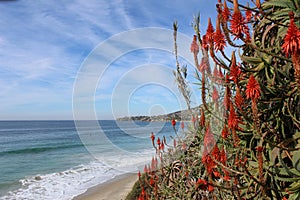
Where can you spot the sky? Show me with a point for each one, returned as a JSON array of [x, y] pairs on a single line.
[[62, 59]]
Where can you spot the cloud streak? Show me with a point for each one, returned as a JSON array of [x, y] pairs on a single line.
[[44, 43]]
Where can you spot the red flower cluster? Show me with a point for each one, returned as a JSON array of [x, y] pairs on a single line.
[[239, 100], [238, 24], [292, 38], [252, 88], [215, 95], [225, 12], [219, 37], [210, 32], [235, 70], [194, 46], [233, 119], [173, 122]]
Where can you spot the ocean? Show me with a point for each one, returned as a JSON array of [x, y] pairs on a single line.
[[62, 159]]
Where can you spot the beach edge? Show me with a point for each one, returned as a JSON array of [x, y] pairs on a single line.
[[114, 189]]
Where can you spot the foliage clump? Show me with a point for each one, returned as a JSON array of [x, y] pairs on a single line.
[[245, 141]]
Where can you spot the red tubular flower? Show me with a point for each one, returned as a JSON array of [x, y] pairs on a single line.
[[202, 184], [216, 153], [204, 65], [174, 143], [173, 122], [221, 76], [225, 13], [182, 125], [139, 174], [292, 38], [223, 158], [194, 46], [252, 88], [219, 37], [204, 42], [215, 73], [151, 182], [210, 188], [158, 141], [210, 32], [248, 14], [233, 119], [237, 23], [209, 140], [152, 137], [235, 71], [225, 132], [215, 95], [239, 100]]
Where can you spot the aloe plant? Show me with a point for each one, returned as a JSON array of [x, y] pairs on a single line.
[[251, 99]]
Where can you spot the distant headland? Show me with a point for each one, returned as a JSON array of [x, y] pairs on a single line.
[[178, 115]]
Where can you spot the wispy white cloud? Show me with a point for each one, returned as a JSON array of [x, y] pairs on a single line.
[[44, 43]]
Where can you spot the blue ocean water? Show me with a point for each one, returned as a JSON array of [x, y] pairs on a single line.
[[53, 160]]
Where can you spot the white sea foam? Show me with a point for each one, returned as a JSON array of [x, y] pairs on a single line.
[[70, 183]]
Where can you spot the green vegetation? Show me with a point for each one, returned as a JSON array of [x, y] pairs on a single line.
[[246, 142]]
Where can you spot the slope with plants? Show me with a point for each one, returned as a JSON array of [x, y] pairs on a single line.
[[246, 144]]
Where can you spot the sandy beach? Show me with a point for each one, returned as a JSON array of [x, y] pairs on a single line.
[[115, 189]]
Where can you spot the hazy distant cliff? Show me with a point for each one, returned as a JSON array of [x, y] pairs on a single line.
[[179, 115]]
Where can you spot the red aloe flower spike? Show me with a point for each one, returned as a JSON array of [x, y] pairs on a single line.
[[201, 184], [248, 14], [233, 119], [235, 71], [219, 37], [252, 88], [202, 118], [139, 174], [204, 42], [225, 132], [182, 125], [210, 32], [204, 65], [209, 140], [210, 188], [215, 73], [145, 169], [239, 100], [153, 164], [215, 95], [158, 141], [194, 46], [152, 137], [173, 122], [223, 158], [237, 23], [216, 153], [225, 13], [292, 38]]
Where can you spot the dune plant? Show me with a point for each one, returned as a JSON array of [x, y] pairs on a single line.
[[245, 144]]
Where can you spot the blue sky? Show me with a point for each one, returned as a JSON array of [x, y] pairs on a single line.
[[44, 45]]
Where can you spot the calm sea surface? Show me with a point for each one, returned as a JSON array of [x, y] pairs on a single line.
[[52, 160]]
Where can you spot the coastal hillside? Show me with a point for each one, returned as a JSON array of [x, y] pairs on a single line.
[[178, 115]]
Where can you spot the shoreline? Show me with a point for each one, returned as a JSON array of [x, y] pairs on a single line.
[[114, 189]]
